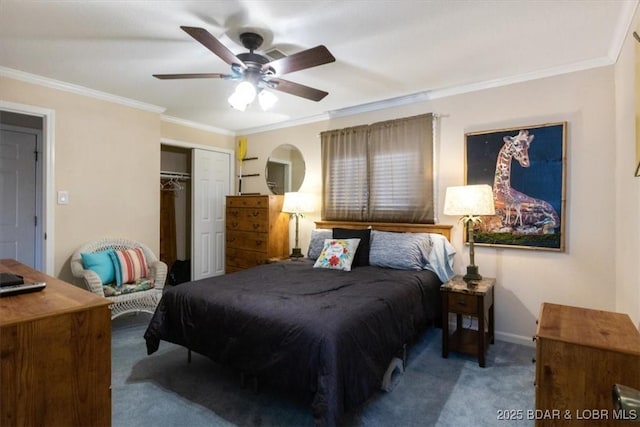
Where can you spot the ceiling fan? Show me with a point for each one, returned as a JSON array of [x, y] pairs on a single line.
[[258, 70]]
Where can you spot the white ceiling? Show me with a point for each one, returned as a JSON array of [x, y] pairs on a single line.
[[386, 51]]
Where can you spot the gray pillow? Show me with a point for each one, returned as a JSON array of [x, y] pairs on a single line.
[[402, 251], [316, 243]]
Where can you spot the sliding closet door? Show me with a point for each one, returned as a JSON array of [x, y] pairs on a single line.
[[210, 178]]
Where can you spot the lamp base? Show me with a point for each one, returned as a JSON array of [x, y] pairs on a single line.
[[472, 274], [296, 253]]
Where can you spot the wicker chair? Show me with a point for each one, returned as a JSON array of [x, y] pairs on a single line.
[[145, 301]]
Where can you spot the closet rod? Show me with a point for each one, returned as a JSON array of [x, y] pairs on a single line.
[[174, 175]]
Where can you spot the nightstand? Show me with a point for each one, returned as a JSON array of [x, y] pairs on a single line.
[[475, 301]]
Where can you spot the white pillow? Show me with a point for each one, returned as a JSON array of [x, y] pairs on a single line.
[[337, 254]]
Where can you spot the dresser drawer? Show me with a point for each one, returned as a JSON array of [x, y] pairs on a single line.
[[462, 303], [247, 240], [238, 259], [248, 219], [248, 202]]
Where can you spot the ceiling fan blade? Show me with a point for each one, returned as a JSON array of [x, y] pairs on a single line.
[[192, 76], [298, 89], [299, 61], [207, 40]]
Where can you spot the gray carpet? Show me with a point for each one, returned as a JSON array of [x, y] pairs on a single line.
[[164, 390]]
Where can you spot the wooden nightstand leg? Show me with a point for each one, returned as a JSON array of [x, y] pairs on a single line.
[[458, 331], [492, 325], [482, 335], [445, 326]]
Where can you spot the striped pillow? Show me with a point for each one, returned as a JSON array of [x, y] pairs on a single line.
[[130, 265]]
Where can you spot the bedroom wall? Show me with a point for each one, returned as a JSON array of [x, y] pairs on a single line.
[[172, 131], [107, 156], [627, 185], [585, 274]]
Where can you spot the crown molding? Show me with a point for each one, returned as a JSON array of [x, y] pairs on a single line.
[[472, 87], [196, 125], [379, 105], [521, 78], [285, 124], [78, 90]]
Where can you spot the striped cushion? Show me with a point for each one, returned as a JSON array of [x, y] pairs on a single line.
[[130, 265]]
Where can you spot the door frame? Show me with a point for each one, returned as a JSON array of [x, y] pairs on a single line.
[[39, 211], [47, 202], [287, 166], [232, 165]]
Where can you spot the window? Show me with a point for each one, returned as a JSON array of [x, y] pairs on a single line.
[[382, 172]]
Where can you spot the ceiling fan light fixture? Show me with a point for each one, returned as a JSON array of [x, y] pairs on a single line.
[[244, 95], [237, 102], [246, 91], [267, 99], [258, 71]]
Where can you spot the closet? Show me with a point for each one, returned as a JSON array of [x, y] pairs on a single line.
[[194, 182], [175, 207]]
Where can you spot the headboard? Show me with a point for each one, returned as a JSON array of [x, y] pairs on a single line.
[[443, 229]]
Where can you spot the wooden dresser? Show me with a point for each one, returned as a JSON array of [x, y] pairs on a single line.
[[256, 230], [580, 354], [55, 354]]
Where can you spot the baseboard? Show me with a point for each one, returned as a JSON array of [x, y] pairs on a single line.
[[472, 322], [515, 339]]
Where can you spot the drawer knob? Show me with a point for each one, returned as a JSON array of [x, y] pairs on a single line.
[[533, 360], [534, 338], [462, 303]]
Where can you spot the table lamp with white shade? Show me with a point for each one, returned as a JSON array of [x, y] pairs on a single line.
[[470, 201], [296, 204]]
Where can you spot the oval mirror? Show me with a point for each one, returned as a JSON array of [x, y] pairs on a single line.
[[285, 169]]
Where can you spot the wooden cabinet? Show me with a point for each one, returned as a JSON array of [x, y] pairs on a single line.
[[475, 301], [256, 230], [55, 355], [580, 354]]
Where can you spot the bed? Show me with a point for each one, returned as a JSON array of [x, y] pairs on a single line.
[[323, 333]]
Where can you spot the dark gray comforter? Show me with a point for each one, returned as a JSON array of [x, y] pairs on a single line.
[[325, 333]]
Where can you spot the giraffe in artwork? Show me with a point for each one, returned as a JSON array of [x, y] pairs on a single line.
[[519, 210]]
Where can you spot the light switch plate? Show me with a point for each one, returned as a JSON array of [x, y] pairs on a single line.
[[63, 197]]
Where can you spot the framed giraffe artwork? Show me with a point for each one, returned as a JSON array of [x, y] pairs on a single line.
[[525, 166]]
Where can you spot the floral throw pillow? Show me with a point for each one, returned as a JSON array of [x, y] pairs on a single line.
[[337, 254]]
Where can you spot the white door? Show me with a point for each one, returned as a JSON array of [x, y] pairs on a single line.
[[19, 195], [210, 183]]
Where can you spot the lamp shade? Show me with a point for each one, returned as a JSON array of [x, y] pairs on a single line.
[[469, 200], [267, 99], [295, 202]]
